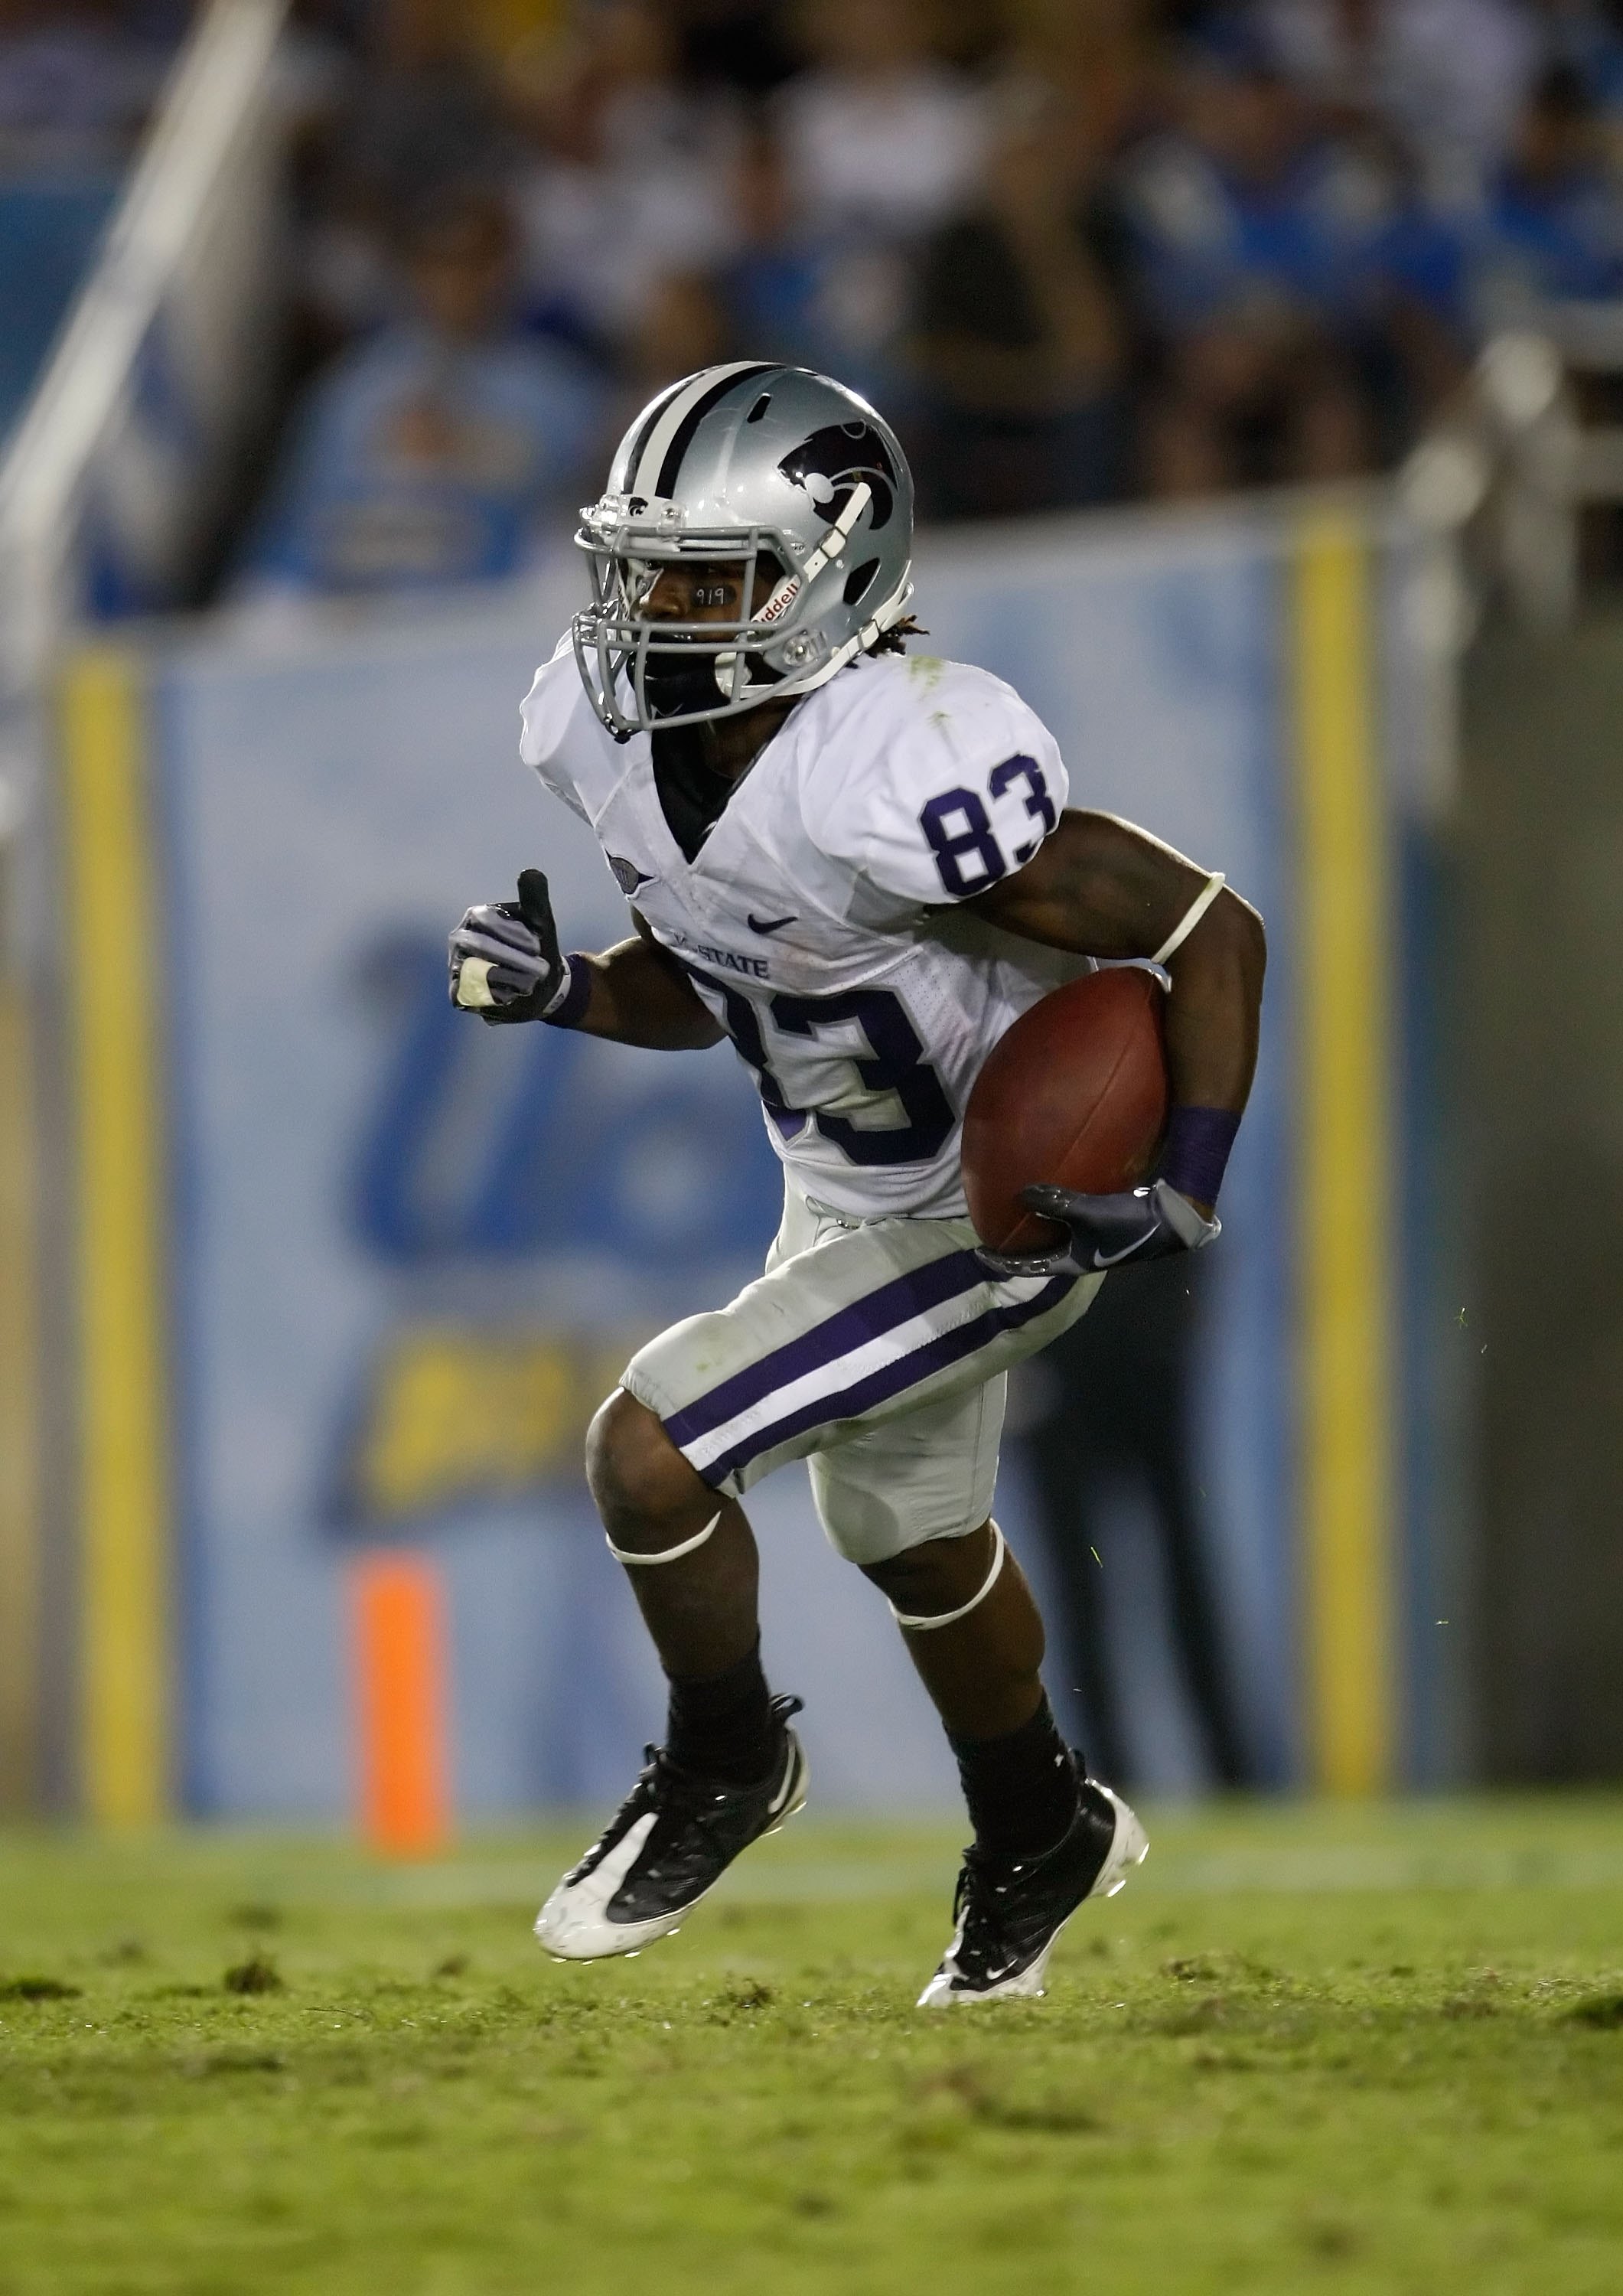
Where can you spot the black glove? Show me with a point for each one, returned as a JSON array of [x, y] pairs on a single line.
[[504, 960], [1107, 1231]]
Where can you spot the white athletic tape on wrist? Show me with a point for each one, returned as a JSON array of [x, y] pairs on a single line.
[[473, 987], [951, 1618], [1192, 916], [473, 984], [669, 1555]]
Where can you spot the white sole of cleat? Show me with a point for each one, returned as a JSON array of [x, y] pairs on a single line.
[[574, 1925], [1129, 1847]]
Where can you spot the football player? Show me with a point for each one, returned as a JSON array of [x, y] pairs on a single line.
[[858, 866]]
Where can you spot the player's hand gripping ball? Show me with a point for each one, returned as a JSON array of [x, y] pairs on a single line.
[[503, 957], [1106, 1232], [1062, 1131]]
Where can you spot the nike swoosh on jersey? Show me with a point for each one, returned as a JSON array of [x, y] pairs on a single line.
[[770, 924]]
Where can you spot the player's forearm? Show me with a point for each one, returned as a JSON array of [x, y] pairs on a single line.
[[1215, 1011], [641, 996], [1101, 888]]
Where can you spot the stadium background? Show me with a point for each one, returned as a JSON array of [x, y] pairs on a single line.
[[263, 1203]]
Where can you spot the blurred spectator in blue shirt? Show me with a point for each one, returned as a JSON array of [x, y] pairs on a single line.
[[432, 453], [1552, 226], [1443, 79], [1278, 270], [1249, 210], [1250, 242]]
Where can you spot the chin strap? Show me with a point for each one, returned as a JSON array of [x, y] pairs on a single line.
[[950, 1618], [731, 669], [837, 535], [669, 1555]]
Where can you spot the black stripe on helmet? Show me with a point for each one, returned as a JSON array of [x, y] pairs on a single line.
[[670, 470], [639, 444]]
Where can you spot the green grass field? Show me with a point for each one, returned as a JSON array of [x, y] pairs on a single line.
[[1307, 2048]]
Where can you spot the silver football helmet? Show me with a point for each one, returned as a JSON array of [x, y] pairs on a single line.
[[775, 470]]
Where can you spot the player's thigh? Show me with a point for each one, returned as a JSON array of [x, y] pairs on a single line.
[[746, 1387], [858, 1325], [927, 1473]]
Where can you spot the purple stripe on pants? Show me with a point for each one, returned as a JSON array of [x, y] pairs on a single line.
[[849, 1328], [889, 1380]]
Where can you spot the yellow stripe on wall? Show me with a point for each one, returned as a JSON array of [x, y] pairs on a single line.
[[1345, 1180], [124, 1574], [18, 1396]]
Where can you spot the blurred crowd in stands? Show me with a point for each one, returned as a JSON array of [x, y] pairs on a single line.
[[1078, 251]]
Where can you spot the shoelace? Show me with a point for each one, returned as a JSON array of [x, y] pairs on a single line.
[[665, 1783], [675, 1792], [981, 1883], [680, 1791], [662, 1785]]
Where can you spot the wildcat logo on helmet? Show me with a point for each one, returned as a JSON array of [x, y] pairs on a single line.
[[627, 875], [831, 463]]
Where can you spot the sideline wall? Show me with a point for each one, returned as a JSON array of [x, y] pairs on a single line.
[[350, 1275], [1542, 944]]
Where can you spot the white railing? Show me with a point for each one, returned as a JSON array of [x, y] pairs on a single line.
[[116, 464], [1514, 464]]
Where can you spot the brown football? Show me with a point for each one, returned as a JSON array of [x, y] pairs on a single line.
[[1075, 1093]]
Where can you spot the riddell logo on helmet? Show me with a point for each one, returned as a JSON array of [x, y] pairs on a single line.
[[831, 463], [780, 601]]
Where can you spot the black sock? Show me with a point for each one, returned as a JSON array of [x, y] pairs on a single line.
[[1021, 1788], [721, 1725]]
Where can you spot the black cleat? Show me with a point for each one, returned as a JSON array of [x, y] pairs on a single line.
[[1010, 1911], [669, 1841]]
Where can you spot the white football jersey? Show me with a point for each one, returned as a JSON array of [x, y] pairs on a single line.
[[816, 919]]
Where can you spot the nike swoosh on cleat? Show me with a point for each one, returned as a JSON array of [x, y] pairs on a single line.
[[769, 924]]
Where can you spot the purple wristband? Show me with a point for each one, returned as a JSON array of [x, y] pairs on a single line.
[[570, 1010], [1198, 1144]]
